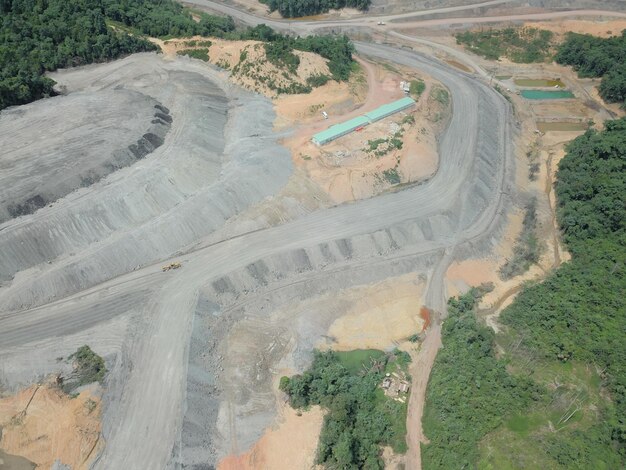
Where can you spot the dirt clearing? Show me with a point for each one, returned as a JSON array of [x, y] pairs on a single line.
[[597, 28], [380, 316], [290, 444], [44, 425]]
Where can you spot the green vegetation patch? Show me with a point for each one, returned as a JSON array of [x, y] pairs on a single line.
[[88, 368], [469, 390], [598, 57], [382, 146], [561, 401], [297, 8], [36, 37], [201, 53], [360, 418], [441, 96], [521, 45], [416, 88], [578, 313]]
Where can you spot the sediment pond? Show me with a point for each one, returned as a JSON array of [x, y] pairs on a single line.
[[546, 94]]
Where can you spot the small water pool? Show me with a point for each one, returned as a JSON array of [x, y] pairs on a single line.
[[546, 94], [538, 82]]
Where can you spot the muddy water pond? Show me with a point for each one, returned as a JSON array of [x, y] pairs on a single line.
[[13, 462], [539, 82], [561, 126], [546, 94]]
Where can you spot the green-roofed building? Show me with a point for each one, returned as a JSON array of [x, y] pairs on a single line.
[[338, 130], [389, 109], [341, 129]]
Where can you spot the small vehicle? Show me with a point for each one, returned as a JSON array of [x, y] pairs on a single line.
[[325, 114], [381, 23]]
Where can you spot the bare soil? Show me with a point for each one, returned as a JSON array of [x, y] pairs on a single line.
[[380, 315], [289, 444], [596, 28], [44, 425]]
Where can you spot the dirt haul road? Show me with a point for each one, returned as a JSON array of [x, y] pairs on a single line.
[[400, 20], [457, 211]]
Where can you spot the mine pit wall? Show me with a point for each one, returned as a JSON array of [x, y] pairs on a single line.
[[45, 167], [156, 214]]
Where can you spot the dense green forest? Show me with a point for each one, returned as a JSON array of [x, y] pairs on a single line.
[[45, 35], [296, 8], [360, 418], [579, 312], [598, 57], [561, 401], [469, 390], [40, 36], [522, 45]]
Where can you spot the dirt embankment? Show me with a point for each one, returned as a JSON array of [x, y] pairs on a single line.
[[44, 425]]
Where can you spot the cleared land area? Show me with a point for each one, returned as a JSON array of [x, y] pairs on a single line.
[[165, 365]]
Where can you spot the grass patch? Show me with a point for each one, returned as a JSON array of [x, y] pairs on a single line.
[[416, 88], [202, 53], [521, 45], [381, 147], [441, 96], [355, 361], [392, 176]]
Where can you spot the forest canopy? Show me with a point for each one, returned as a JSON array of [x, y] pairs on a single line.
[[360, 418], [579, 312], [36, 37], [41, 36], [560, 402], [592, 56], [296, 8]]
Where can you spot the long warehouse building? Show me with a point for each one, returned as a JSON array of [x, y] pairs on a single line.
[[343, 128]]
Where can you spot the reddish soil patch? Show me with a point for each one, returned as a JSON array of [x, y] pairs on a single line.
[[425, 314]]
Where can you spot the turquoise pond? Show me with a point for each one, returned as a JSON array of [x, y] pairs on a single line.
[[546, 94]]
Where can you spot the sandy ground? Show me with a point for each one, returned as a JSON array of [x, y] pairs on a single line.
[[291, 443], [44, 425], [380, 315], [597, 28]]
